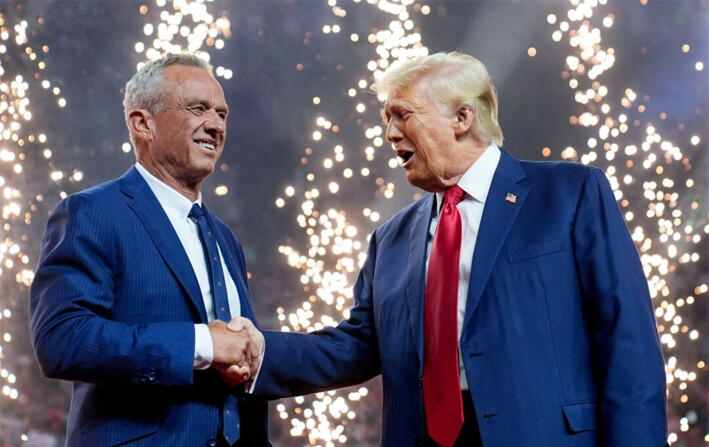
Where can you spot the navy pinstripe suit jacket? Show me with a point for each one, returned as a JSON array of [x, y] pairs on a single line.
[[113, 307]]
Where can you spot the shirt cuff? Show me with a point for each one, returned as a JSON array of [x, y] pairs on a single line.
[[203, 347]]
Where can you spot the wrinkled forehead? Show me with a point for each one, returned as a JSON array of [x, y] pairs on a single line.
[[193, 83]]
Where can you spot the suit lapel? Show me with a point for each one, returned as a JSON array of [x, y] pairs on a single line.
[[149, 211], [498, 217], [416, 270]]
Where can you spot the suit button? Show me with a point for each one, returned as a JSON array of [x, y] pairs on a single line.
[[143, 378], [419, 381], [212, 442], [151, 375]]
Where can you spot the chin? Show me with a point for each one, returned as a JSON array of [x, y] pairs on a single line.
[[425, 183], [417, 181], [203, 170]]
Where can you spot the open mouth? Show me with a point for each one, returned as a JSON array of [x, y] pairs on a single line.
[[404, 156], [207, 145]]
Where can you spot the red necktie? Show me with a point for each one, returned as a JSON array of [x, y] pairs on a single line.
[[441, 379]]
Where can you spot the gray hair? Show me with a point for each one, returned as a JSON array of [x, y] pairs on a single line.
[[147, 89], [457, 80]]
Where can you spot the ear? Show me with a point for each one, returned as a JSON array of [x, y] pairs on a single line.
[[140, 123], [464, 120]]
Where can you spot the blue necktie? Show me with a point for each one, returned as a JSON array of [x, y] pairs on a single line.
[[214, 264], [230, 410]]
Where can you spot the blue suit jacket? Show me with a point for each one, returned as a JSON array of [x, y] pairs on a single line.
[[113, 307], [559, 340]]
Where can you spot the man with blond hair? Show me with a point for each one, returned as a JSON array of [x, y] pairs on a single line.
[[507, 308]]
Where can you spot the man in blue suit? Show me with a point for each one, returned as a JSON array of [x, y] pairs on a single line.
[[122, 301], [553, 332]]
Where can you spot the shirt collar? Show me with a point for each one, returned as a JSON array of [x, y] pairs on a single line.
[[175, 204], [477, 179]]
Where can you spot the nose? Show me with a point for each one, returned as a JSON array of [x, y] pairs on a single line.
[[215, 123], [393, 133]]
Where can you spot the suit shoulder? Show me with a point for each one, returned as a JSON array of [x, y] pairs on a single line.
[[103, 194], [99, 191], [556, 168], [559, 173]]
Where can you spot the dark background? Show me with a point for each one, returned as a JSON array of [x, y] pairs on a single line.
[[91, 54]]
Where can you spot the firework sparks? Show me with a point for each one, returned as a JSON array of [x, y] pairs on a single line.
[[20, 143], [335, 245]]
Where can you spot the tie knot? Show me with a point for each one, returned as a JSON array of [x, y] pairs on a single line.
[[196, 212], [454, 195]]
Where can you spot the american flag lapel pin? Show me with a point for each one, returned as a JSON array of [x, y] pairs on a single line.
[[511, 198]]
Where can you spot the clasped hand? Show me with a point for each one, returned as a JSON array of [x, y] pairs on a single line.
[[238, 349]]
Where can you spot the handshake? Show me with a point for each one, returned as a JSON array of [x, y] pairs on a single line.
[[238, 349]]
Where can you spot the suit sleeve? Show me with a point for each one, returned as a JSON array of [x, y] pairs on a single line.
[[71, 300], [296, 364], [629, 361]]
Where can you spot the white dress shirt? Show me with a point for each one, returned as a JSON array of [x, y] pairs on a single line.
[[476, 184], [178, 207]]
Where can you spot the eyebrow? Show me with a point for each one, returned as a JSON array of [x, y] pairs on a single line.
[[388, 106], [396, 104]]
